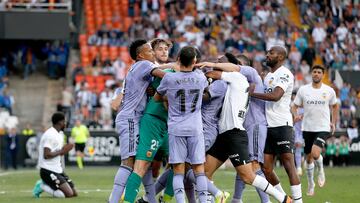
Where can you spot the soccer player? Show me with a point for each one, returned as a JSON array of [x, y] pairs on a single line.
[[51, 148], [255, 124], [317, 99], [184, 91], [232, 142], [280, 135], [153, 137], [132, 108], [299, 140], [80, 134]]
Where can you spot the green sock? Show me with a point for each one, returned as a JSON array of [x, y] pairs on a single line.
[[132, 187], [169, 190], [79, 162]]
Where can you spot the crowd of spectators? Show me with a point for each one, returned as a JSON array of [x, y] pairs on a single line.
[[329, 31]]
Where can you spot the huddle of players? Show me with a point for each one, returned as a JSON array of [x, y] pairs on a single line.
[[198, 118], [188, 117]]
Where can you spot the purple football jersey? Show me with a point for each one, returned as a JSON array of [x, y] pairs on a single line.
[[136, 82], [184, 91], [256, 111], [210, 111]]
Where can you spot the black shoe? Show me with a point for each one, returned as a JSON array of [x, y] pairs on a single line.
[[161, 199], [141, 200]]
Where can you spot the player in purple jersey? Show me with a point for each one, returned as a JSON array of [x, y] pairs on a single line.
[[232, 142], [184, 91], [299, 140], [133, 105]]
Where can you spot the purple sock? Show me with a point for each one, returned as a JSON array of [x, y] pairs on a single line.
[[239, 188], [189, 190], [212, 189], [298, 157], [148, 183], [263, 196], [119, 183], [160, 183], [201, 187], [178, 185]]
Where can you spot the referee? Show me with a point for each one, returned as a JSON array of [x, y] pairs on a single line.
[[80, 133]]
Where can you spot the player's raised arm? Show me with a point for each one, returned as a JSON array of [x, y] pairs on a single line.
[[227, 67], [158, 73]]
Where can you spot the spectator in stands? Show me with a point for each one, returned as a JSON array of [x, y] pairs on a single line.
[[331, 152], [344, 151], [52, 62], [28, 131], [120, 69], [12, 142], [62, 61], [28, 62], [8, 100], [105, 100], [66, 102], [352, 130]]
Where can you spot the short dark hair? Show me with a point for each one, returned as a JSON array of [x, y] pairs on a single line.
[[198, 55], [245, 59], [57, 117], [155, 42], [187, 55], [318, 67], [134, 47], [231, 58]]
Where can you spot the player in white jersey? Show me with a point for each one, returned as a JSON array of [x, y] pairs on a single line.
[[317, 99], [279, 84], [51, 148]]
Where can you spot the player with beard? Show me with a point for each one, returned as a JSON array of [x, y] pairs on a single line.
[[279, 84], [317, 99]]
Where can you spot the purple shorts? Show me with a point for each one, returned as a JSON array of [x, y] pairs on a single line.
[[257, 137], [189, 149], [128, 130]]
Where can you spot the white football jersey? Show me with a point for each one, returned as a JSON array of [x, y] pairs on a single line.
[[316, 107], [236, 102], [278, 113], [53, 140]]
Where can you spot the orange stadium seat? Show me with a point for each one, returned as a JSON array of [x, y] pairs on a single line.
[[79, 78], [113, 53], [104, 53]]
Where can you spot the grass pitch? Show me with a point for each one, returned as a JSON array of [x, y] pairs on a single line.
[[94, 185]]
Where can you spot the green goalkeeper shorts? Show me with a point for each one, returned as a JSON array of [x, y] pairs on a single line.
[[153, 138]]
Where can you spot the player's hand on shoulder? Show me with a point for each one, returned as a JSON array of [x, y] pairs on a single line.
[[298, 118], [251, 89], [150, 91], [66, 148]]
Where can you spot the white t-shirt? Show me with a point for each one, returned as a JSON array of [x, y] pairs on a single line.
[[316, 107], [236, 102], [53, 140], [278, 113]]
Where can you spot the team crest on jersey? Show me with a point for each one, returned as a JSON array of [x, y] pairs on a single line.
[[149, 153], [324, 95], [271, 80]]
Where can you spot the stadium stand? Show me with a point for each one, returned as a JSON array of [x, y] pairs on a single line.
[[248, 27]]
